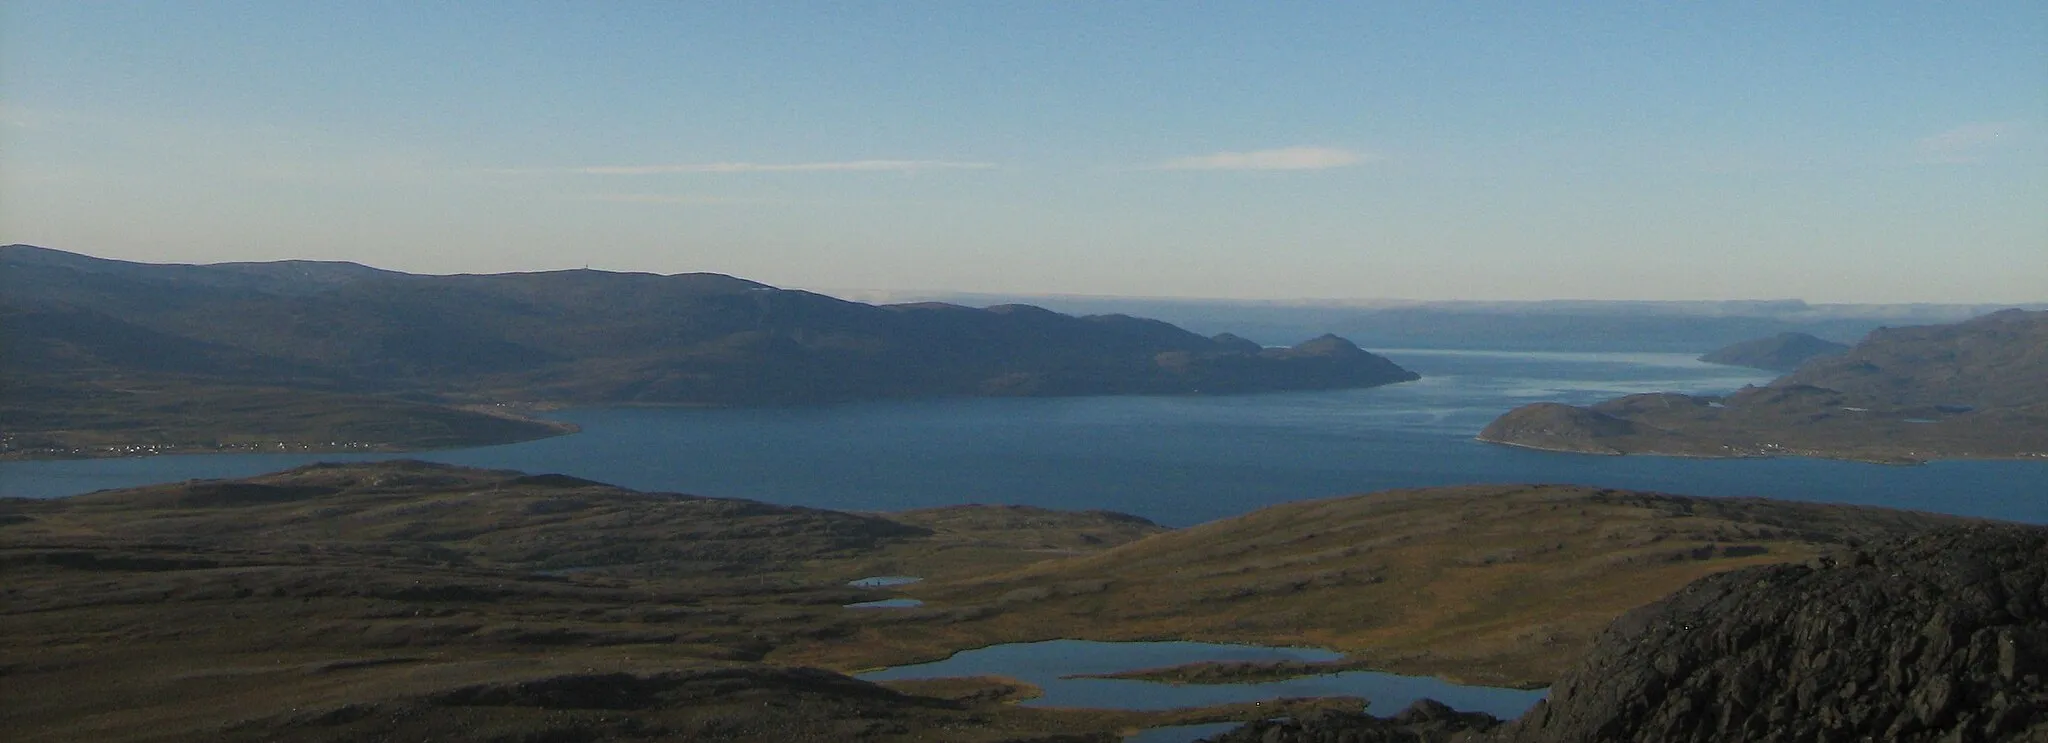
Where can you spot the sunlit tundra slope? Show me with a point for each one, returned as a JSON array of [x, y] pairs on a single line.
[[413, 601], [103, 352], [1975, 389]]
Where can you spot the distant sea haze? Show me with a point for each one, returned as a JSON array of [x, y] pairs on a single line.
[[1177, 460]]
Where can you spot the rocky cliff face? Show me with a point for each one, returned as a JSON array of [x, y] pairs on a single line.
[[1940, 637]]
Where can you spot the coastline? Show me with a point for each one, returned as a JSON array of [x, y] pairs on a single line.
[[286, 446], [1838, 455]]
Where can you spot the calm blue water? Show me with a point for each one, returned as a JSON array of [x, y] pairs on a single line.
[[1176, 460], [1046, 663]]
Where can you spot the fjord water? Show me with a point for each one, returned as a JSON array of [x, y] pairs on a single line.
[[1176, 460]]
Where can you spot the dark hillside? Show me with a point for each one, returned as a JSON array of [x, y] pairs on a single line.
[[591, 336]]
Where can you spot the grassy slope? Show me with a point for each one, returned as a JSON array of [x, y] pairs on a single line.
[[1493, 584], [404, 600]]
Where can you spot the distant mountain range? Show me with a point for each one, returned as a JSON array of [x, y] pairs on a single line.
[[1974, 389], [591, 337], [1557, 325]]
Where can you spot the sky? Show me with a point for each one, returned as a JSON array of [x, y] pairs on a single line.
[[1829, 151]]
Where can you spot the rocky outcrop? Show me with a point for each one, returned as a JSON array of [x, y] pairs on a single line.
[[1943, 637], [1938, 637], [1425, 721], [1782, 352]]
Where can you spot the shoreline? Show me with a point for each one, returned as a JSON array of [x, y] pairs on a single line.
[[1217, 672], [1784, 454], [146, 451]]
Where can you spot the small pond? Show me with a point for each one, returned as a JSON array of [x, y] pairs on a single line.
[[1045, 663]]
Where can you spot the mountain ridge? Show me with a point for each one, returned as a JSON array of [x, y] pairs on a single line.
[[584, 337]]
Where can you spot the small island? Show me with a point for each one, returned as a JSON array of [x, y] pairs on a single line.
[[1971, 390]]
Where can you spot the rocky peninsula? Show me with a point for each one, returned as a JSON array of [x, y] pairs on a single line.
[[1975, 389]]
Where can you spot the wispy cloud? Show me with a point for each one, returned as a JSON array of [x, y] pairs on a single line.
[[668, 198], [845, 166], [1287, 158], [1968, 143]]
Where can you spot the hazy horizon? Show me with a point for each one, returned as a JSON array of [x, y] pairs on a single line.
[[898, 296], [1840, 153]]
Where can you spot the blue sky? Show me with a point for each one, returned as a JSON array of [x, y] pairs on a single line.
[[1859, 152]]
